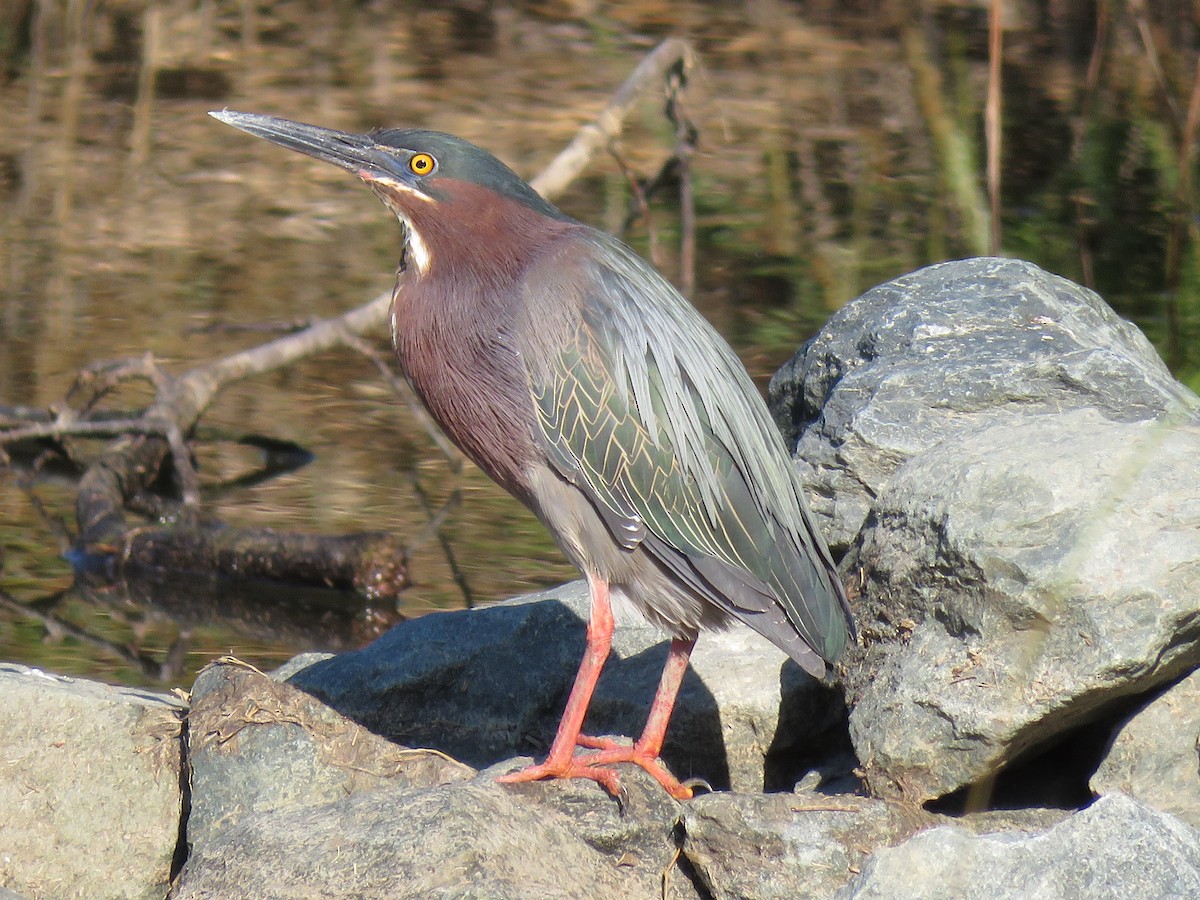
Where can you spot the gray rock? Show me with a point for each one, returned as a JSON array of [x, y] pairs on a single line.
[[486, 684], [1153, 756], [296, 663], [90, 787], [1018, 474], [476, 839], [1117, 848], [1018, 581], [917, 360], [289, 799], [765, 846], [810, 844], [258, 745]]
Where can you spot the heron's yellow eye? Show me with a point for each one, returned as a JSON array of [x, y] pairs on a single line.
[[422, 164]]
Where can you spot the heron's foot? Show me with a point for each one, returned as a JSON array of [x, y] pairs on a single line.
[[594, 766], [572, 768]]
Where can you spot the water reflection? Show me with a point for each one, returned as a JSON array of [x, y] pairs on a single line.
[[152, 629]]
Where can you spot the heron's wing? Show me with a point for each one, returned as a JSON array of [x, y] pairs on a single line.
[[649, 412]]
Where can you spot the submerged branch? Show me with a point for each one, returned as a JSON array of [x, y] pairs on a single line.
[[374, 566]]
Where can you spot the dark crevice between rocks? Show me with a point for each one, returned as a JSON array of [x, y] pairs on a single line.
[[185, 801], [1055, 774], [684, 865]]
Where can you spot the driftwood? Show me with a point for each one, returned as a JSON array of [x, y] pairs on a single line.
[[149, 446]]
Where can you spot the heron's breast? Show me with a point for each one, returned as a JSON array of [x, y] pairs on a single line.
[[470, 380]]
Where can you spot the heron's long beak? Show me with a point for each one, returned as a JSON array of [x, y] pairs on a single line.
[[357, 153]]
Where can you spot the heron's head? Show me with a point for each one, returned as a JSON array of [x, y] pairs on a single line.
[[447, 193]]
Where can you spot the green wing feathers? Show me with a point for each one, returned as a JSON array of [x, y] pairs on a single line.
[[646, 409]]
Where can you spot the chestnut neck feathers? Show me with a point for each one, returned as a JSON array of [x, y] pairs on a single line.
[[453, 322]]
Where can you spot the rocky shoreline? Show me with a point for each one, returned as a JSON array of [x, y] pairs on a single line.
[[1014, 479]]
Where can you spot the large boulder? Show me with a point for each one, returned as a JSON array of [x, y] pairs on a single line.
[[1019, 478], [947, 349], [1021, 581], [91, 794], [257, 744], [472, 839], [290, 799], [477, 839]]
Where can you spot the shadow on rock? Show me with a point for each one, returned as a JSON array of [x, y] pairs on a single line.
[[470, 685]]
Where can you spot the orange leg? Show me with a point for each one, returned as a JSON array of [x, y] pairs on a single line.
[[560, 761], [564, 762]]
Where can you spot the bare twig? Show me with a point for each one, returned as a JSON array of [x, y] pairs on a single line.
[[1181, 221], [435, 528], [453, 457], [668, 174], [956, 168], [286, 326], [69, 426], [139, 138], [1141, 16], [59, 627], [186, 476], [401, 388], [1082, 199], [665, 876], [672, 54], [54, 523]]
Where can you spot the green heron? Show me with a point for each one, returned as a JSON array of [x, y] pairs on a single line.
[[582, 382]]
